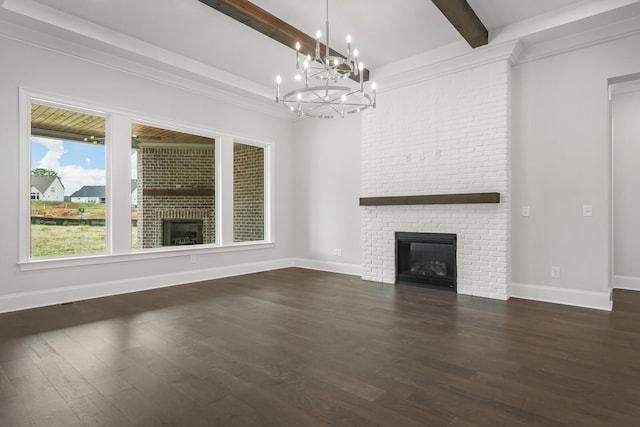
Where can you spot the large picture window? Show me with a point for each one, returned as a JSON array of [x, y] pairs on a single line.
[[173, 181], [101, 183], [68, 215]]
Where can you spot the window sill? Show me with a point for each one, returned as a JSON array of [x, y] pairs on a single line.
[[146, 254]]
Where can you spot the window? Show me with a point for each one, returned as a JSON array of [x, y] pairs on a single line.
[[102, 183], [248, 193], [172, 185], [67, 152]]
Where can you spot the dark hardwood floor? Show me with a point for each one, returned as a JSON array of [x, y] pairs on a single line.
[[303, 348]]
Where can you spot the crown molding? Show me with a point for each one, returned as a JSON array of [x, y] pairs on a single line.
[[443, 61], [44, 27], [571, 19], [607, 33]]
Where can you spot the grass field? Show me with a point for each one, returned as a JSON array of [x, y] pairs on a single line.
[[53, 240]]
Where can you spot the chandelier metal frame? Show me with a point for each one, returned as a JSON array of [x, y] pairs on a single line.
[[327, 90]]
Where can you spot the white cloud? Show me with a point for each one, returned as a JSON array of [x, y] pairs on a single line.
[[87, 161], [51, 159], [75, 176]]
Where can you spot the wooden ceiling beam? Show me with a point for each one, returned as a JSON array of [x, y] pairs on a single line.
[[465, 20], [271, 26]]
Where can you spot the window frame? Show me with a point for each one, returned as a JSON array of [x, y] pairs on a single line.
[[118, 119], [268, 177], [28, 98]]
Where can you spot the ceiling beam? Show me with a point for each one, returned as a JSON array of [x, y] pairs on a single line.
[[465, 20], [271, 26]]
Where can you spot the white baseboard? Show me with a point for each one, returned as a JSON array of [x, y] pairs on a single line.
[[25, 300], [333, 267], [597, 300], [626, 282]]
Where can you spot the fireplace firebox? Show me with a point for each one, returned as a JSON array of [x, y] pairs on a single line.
[[427, 259], [177, 232]]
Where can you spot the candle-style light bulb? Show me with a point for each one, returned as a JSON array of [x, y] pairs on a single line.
[[360, 68], [278, 81], [348, 47], [297, 55]]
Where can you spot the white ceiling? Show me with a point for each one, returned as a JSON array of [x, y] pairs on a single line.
[[384, 31]]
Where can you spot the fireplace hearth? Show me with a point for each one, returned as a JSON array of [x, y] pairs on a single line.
[[427, 259]]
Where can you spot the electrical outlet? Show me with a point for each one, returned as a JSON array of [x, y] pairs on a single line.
[[587, 210], [555, 272], [526, 211]]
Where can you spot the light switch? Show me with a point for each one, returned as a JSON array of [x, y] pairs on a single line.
[[526, 211], [587, 210]]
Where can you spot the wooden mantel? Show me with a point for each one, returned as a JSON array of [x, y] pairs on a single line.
[[432, 199]]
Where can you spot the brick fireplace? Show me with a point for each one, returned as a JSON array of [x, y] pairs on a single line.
[[444, 135], [175, 182]]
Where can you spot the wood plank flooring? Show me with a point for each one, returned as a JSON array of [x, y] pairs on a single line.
[[295, 347]]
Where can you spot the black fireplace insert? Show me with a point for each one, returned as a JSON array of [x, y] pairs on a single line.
[[427, 259], [178, 232]]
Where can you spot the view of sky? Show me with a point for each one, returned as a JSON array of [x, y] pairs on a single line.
[[78, 164]]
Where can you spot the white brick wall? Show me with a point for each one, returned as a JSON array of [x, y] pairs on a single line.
[[445, 135]]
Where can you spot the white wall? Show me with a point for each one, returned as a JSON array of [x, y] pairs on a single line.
[[327, 191], [561, 161], [626, 142], [47, 71]]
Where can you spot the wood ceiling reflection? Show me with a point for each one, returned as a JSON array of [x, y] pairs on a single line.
[[73, 122], [60, 120]]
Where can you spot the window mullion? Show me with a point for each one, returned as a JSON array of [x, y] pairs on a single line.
[[226, 191], [118, 183]]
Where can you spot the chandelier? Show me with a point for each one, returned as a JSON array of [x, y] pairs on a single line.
[[333, 84]]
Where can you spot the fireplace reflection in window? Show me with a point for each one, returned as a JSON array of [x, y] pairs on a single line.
[[426, 258], [182, 232]]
